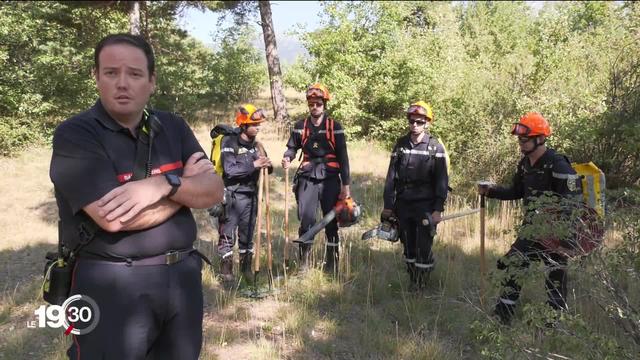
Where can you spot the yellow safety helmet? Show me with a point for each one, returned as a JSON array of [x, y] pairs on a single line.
[[421, 108], [318, 90], [248, 114]]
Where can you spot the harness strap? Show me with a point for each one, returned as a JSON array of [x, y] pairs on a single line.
[[330, 135]]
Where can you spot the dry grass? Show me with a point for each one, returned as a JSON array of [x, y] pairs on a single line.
[[366, 312]]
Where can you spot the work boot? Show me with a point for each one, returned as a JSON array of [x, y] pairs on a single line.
[[330, 266], [304, 257], [422, 277], [226, 272], [413, 282], [559, 306], [423, 273], [504, 313], [245, 265]]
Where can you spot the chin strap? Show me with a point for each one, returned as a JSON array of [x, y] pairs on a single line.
[[536, 146]]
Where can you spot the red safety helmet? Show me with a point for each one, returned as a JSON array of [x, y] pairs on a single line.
[[318, 90], [530, 125]]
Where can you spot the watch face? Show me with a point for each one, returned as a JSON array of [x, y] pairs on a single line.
[[174, 180]]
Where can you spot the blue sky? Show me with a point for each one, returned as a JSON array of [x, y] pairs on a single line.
[[287, 15]]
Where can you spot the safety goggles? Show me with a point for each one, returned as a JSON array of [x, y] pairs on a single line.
[[417, 109], [311, 93], [520, 130], [524, 139], [258, 115], [418, 122], [315, 104]]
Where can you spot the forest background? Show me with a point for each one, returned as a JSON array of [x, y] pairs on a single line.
[[481, 66]]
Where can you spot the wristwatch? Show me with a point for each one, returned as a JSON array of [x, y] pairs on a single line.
[[174, 181]]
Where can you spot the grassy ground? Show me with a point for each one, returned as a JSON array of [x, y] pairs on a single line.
[[366, 312]]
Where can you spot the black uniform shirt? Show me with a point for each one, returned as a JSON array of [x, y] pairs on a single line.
[[237, 159], [317, 146], [417, 172], [92, 155], [552, 172]]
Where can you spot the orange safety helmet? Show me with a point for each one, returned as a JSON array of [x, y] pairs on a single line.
[[530, 125], [421, 108], [318, 90], [248, 114]]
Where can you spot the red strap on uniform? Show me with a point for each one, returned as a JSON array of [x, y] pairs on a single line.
[[333, 164], [123, 178], [305, 132], [331, 137]]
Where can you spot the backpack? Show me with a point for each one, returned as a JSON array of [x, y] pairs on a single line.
[[217, 134], [589, 224], [593, 186], [592, 181]]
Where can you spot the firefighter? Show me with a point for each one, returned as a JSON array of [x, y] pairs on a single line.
[[540, 170], [323, 176], [416, 186], [242, 161], [125, 177]]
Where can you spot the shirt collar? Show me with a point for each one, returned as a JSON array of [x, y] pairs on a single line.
[[243, 142], [103, 117], [322, 122], [425, 138]]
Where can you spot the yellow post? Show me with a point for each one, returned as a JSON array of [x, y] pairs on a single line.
[[286, 215], [483, 264], [256, 244], [267, 211]]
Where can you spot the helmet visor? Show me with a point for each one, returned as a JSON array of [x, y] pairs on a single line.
[[520, 130], [259, 115], [315, 93], [417, 109]]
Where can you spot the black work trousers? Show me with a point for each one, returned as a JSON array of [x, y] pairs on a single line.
[[416, 237], [146, 311], [311, 192], [240, 214], [518, 258]]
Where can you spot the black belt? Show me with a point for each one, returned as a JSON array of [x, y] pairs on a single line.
[[168, 258], [412, 185], [235, 185], [317, 160]]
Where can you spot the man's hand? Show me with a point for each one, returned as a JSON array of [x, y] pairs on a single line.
[[126, 201], [286, 162], [197, 164], [436, 217], [483, 189], [262, 162], [386, 214], [345, 192]]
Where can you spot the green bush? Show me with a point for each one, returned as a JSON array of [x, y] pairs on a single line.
[[18, 134], [46, 57], [481, 71]]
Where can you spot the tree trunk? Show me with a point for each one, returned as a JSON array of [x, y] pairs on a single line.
[[273, 64], [134, 17]]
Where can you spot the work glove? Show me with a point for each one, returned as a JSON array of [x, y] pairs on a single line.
[[216, 210]]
